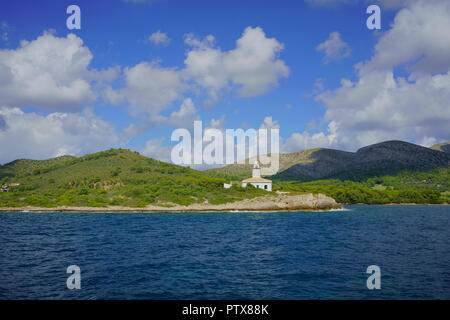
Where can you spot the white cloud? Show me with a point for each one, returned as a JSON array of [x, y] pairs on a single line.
[[49, 72], [159, 38], [418, 40], [334, 48], [269, 123], [253, 66], [155, 149], [149, 88], [185, 116], [32, 136], [380, 106], [207, 42], [301, 141], [217, 123], [137, 128]]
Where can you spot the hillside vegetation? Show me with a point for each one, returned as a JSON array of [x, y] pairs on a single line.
[[444, 147], [287, 160], [384, 158], [387, 172], [114, 177], [430, 186]]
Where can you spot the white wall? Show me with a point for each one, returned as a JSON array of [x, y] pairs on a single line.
[[259, 185]]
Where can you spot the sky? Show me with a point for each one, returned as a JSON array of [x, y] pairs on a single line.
[[139, 69]]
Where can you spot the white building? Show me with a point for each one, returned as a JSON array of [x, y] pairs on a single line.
[[256, 179]]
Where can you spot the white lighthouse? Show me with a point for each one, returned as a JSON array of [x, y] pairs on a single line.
[[256, 179]]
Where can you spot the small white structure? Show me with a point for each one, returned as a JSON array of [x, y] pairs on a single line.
[[227, 186], [256, 179]]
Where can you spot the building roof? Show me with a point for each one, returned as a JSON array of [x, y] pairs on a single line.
[[256, 180]]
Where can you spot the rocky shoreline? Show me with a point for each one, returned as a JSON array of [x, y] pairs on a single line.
[[281, 202]]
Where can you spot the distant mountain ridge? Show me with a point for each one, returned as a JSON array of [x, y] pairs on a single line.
[[382, 158]]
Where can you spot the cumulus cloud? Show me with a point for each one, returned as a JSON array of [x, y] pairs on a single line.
[[269, 123], [418, 40], [253, 66], [185, 116], [155, 149], [301, 141], [48, 72], [334, 48], [29, 135], [159, 38], [381, 106], [149, 88]]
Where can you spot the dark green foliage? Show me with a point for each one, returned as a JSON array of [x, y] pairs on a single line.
[[115, 177], [405, 187], [381, 159]]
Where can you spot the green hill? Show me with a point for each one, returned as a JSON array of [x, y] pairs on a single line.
[[444, 147], [386, 158], [113, 177], [287, 160], [24, 167], [392, 171], [387, 172]]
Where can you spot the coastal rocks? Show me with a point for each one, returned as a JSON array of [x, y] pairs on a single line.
[[266, 203], [280, 202], [310, 201]]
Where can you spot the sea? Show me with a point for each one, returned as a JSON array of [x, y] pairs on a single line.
[[228, 255]]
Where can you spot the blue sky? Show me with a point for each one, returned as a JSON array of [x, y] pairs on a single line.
[[294, 86]]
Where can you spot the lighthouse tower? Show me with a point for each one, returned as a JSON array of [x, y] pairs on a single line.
[[256, 179], [256, 170]]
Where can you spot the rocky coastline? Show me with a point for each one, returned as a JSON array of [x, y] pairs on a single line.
[[280, 202]]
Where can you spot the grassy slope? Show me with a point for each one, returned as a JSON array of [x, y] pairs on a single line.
[[444, 147], [113, 177]]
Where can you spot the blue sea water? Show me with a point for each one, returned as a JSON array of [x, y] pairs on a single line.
[[295, 255]]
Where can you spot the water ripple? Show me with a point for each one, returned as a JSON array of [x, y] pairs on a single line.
[[303, 255]]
